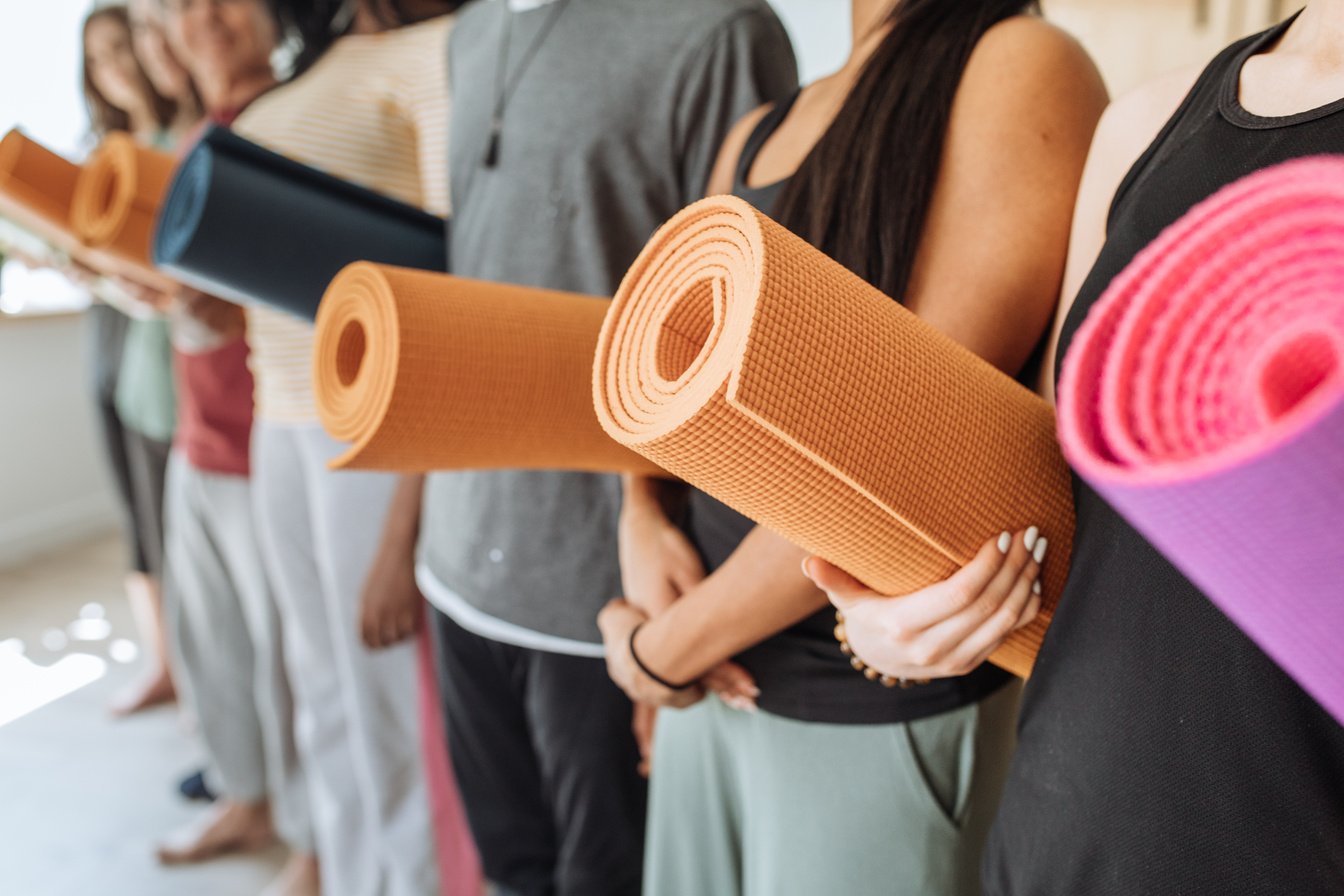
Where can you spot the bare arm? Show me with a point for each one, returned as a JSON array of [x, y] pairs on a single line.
[[390, 607], [989, 269]]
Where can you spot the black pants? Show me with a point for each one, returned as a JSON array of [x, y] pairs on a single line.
[[546, 764]]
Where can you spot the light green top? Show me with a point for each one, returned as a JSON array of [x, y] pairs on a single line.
[[146, 399]]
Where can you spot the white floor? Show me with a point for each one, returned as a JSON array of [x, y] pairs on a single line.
[[83, 797]]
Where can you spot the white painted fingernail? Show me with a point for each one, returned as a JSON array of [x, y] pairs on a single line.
[[1030, 538], [1036, 587], [1039, 553], [1005, 540]]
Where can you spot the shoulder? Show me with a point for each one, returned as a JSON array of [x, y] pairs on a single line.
[[704, 22], [723, 178], [430, 32], [1138, 115], [1022, 58], [1131, 123]]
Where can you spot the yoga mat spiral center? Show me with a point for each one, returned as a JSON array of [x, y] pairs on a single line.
[[685, 331], [1296, 371], [350, 352]]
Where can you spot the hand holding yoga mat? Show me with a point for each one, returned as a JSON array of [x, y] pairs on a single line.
[[37, 188], [1204, 399], [426, 371], [743, 360], [249, 225]]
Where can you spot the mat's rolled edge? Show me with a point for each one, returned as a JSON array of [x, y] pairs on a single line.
[[1081, 399], [183, 205], [348, 363], [41, 208], [117, 195], [1018, 652], [360, 387]]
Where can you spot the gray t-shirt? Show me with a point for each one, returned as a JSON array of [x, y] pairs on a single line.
[[612, 129]]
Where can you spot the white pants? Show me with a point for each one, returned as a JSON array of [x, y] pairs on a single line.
[[355, 709], [225, 640]]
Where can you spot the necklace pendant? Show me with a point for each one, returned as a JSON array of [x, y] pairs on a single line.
[[491, 157]]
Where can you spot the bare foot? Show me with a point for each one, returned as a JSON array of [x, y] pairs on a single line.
[[299, 877], [229, 827], [154, 690]]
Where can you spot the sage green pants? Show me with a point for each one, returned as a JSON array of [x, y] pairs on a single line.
[[750, 804]]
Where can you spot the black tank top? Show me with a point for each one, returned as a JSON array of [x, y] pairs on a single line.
[[1160, 753], [801, 672]]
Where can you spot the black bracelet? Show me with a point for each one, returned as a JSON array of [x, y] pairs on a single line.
[[649, 672]]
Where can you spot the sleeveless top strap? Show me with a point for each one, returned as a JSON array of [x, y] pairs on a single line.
[[764, 128]]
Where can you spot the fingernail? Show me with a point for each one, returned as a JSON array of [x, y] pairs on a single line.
[[805, 571], [1030, 538], [1036, 587], [1039, 553], [1005, 541], [754, 691]]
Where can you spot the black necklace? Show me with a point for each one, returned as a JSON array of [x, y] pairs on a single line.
[[504, 91]]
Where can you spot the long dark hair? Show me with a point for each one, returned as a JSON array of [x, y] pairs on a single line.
[[862, 195], [103, 116], [317, 24]]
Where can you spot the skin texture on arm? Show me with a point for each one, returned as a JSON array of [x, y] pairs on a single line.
[[930, 633], [988, 274], [390, 606]]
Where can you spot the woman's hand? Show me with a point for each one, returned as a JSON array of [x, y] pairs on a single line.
[[391, 606], [946, 629], [658, 563], [617, 621]]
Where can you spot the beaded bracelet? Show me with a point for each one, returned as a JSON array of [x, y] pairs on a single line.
[[649, 672], [888, 681]]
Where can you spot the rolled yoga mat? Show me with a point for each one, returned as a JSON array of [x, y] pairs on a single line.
[[743, 360], [252, 226], [117, 196], [37, 188], [1203, 398], [425, 371]]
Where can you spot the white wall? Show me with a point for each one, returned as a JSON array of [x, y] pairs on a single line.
[[40, 71], [53, 489], [820, 33]]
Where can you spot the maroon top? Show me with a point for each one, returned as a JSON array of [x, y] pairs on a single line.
[[214, 395]]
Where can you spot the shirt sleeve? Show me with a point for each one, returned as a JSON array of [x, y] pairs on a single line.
[[746, 61]]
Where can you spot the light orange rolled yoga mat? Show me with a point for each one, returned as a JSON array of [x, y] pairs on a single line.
[[741, 359], [425, 371], [37, 188], [118, 195]]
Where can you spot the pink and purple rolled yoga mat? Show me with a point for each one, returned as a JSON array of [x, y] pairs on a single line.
[[1203, 398]]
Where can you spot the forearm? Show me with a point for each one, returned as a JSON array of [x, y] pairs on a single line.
[[758, 592], [401, 528], [652, 494]]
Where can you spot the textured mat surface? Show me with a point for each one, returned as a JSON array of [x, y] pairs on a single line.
[[117, 196], [741, 359], [1204, 399], [37, 188], [425, 371], [252, 226]]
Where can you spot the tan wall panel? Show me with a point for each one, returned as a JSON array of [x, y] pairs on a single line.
[[1134, 40]]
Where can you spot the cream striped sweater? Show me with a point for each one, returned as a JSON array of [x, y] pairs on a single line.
[[374, 111]]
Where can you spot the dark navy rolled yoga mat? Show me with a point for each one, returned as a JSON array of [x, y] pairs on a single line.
[[251, 226]]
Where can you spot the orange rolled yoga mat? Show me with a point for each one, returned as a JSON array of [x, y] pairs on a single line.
[[425, 371], [743, 360], [37, 188], [118, 195]]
